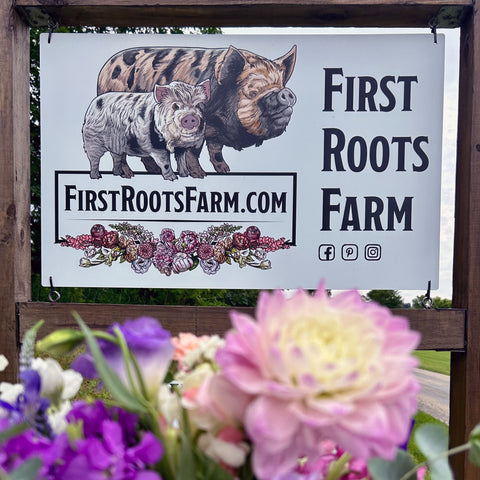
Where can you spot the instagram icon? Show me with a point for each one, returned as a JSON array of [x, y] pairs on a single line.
[[373, 252]]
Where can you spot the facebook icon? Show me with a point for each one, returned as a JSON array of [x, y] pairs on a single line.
[[326, 252]]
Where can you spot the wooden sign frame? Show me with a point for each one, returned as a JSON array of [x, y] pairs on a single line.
[[456, 330]]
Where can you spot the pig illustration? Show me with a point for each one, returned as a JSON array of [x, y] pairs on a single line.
[[169, 120], [249, 102]]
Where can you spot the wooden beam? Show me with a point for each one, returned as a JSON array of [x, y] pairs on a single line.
[[198, 320], [465, 367], [440, 329], [14, 178], [253, 13]]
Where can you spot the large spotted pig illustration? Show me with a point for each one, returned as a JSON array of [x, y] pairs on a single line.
[[249, 100], [146, 124]]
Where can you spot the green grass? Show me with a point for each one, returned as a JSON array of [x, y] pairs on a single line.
[[420, 419], [438, 362], [434, 361]]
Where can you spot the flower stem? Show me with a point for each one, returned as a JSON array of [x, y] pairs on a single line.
[[453, 451], [129, 360], [338, 469]]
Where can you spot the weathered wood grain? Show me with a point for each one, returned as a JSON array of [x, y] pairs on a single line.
[[198, 320], [440, 329], [14, 178], [447, 329], [376, 13], [465, 368]]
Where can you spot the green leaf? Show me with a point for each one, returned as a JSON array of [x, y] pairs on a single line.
[[213, 471], [109, 378], [432, 440], [186, 466], [60, 342], [381, 469], [196, 261], [474, 455], [13, 431], [27, 470]]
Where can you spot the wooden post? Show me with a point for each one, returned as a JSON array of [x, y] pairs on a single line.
[[465, 367], [15, 161], [14, 178]]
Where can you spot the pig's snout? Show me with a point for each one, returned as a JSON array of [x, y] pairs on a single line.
[[279, 100], [190, 122], [286, 97]]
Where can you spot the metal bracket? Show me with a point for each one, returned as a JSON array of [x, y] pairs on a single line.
[[53, 296], [427, 301], [51, 27]]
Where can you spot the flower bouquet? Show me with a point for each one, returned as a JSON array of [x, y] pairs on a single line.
[[314, 388]]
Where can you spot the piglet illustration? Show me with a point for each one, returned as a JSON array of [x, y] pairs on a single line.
[[169, 120]]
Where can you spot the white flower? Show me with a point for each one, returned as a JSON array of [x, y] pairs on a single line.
[[169, 405], [9, 392], [90, 251], [260, 254], [205, 351], [57, 417], [194, 378], [56, 384], [210, 347], [232, 454], [3, 363]]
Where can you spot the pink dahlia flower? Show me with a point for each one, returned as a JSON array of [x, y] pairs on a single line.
[[321, 368]]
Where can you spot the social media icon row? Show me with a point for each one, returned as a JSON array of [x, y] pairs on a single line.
[[349, 252]]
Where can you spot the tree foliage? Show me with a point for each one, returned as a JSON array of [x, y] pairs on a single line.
[[438, 302], [388, 298], [145, 296]]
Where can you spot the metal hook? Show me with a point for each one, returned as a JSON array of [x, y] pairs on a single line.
[[433, 24], [53, 296], [427, 301], [51, 27]]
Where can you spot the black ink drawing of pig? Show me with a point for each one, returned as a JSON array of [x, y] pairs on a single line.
[[249, 100], [146, 124]]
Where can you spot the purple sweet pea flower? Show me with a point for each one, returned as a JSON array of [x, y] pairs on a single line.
[[110, 446], [150, 344], [25, 446]]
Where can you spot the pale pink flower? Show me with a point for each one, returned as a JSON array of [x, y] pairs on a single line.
[[217, 408], [218, 403], [321, 368], [421, 472], [186, 342], [227, 447]]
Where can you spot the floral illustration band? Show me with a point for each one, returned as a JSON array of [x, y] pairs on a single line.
[[209, 249]]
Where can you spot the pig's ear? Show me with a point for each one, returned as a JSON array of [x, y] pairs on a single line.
[[287, 63], [206, 88], [160, 92], [230, 67]]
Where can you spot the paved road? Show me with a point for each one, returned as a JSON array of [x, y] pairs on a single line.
[[434, 397]]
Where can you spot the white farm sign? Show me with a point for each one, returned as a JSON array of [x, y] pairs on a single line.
[[202, 161]]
